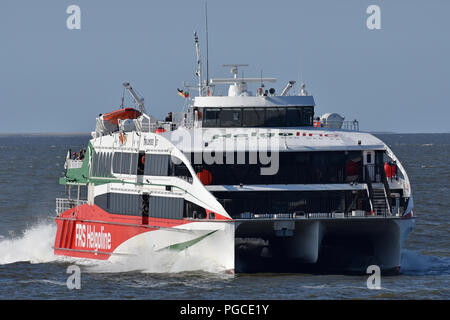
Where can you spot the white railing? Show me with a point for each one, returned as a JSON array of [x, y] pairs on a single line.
[[350, 125], [346, 125], [64, 204], [74, 164]]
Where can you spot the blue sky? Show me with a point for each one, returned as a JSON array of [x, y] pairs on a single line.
[[53, 79]]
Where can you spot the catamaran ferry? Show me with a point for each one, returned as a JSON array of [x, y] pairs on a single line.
[[246, 181]]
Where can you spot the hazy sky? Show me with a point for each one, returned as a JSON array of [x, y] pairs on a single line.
[[53, 79]]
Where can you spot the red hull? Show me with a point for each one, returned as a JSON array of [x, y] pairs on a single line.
[[87, 231]]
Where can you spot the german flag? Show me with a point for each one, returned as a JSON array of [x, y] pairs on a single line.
[[183, 94]]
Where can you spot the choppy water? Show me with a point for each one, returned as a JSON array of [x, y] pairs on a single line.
[[29, 171]]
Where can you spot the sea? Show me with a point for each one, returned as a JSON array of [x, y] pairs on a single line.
[[30, 165]]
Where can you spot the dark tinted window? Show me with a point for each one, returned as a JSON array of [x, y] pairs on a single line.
[[293, 116], [179, 169], [299, 202], [253, 117], [230, 117], [275, 117], [258, 117], [192, 210], [293, 168], [307, 116], [210, 117]]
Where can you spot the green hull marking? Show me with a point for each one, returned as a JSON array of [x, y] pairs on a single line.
[[184, 245]]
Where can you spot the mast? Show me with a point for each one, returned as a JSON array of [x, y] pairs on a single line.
[[198, 73], [207, 56]]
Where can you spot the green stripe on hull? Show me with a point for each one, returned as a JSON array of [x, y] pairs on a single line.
[[184, 245]]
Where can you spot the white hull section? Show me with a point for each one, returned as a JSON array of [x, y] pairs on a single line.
[[209, 244]]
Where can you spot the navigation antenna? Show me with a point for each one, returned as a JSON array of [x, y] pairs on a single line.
[[198, 73], [207, 56]]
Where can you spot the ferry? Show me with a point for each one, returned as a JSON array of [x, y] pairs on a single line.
[[247, 181]]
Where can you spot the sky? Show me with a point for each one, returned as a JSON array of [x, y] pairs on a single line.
[[393, 79]]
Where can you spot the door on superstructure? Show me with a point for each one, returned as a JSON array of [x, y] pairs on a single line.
[[369, 163]]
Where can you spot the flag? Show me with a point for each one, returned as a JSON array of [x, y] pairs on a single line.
[[183, 94]]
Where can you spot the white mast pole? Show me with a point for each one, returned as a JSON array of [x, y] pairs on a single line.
[[207, 56], [199, 65]]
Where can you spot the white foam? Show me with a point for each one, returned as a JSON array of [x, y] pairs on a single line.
[[35, 245], [156, 262]]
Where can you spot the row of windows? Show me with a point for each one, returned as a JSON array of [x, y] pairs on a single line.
[[139, 164], [274, 202], [149, 206], [258, 117], [288, 168]]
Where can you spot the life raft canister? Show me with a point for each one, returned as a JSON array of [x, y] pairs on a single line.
[[390, 169], [205, 177], [352, 168]]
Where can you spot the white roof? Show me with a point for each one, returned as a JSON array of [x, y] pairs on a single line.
[[256, 139]]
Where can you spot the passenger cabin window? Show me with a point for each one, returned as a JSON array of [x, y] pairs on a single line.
[[147, 206], [101, 164], [124, 162], [258, 117], [156, 164]]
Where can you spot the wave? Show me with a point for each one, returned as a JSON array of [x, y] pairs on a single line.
[[35, 245], [414, 263]]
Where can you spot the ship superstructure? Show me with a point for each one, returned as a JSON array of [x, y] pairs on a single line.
[[257, 178]]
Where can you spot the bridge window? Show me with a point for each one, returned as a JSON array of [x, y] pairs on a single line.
[[230, 117], [258, 117], [210, 117], [253, 117], [293, 116]]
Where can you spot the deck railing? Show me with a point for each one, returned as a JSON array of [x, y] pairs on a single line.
[[63, 204], [74, 164], [352, 125]]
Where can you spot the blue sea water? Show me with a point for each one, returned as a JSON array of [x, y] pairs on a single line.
[[29, 169]]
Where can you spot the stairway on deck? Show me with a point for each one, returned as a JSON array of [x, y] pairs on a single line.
[[380, 205]]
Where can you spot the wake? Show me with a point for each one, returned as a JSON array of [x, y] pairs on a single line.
[[35, 245]]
